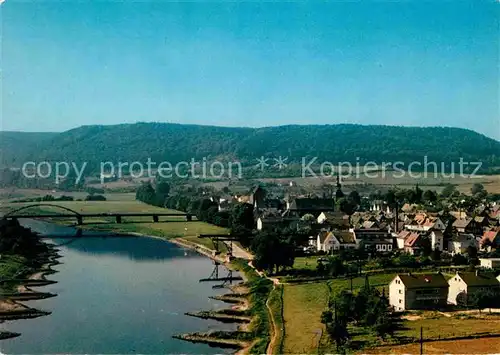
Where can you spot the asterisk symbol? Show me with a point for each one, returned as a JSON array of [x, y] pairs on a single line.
[[280, 162], [262, 163]]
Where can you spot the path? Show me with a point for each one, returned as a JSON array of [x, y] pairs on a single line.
[[239, 252]]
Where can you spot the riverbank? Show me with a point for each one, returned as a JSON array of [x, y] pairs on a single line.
[[16, 289]]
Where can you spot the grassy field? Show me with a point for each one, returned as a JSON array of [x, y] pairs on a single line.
[[303, 305], [463, 183], [463, 346], [437, 325], [306, 262], [9, 194]]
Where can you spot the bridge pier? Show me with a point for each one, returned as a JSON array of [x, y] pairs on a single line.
[[118, 219], [155, 218], [79, 220], [189, 218]]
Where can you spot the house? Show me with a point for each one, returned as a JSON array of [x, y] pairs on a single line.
[[424, 223], [400, 239], [273, 222], [418, 291], [347, 240], [482, 221], [467, 225], [489, 263], [437, 240], [464, 285], [460, 242], [314, 206], [328, 241], [414, 243], [490, 240], [379, 239], [370, 224], [336, 219], [257, 197], [324, 241]]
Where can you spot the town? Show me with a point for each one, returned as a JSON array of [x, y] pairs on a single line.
[[421, 250]]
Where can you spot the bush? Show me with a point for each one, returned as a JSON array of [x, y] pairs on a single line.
[[95, 198]]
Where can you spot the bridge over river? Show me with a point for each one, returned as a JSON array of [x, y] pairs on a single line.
[[70, 213]]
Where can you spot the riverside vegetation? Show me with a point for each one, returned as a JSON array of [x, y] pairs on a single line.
[[24, 261]]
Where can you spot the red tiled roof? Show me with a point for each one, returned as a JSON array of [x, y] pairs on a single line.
[[404, 234], [489, 235], [411, 239]]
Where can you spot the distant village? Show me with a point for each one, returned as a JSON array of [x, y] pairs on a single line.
[[465, 237]]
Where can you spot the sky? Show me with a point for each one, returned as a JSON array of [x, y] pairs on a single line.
[[433, 63]]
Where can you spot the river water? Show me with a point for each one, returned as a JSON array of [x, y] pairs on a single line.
[[118, 295]]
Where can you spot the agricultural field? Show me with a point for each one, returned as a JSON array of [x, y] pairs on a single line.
[[303, 305], [10, 194], [470, 346], [463, 183], [443, 325]]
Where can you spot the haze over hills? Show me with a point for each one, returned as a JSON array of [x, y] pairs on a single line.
[[181, 142]]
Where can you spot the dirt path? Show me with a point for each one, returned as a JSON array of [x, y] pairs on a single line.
[[274, 332], [239, 252]]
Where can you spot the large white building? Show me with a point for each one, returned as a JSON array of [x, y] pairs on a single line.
[[463, 285]]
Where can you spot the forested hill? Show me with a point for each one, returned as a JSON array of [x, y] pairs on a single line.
[[15, 147], [179, 142]]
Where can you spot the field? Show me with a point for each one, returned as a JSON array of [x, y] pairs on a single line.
[[9, 194], [437, 325], [463, 183], [303, 305], [463, 346]]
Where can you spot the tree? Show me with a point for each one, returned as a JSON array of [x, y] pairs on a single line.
[[162, 191], [335, 266], [336, 326], [146, 193], [205, 205], [354, 198], [241, 217], [415, 195], [484, 298], [448, 190], [346, 206], [390, 198], [308, 217], [429, 196], [94, 197], [472, 252], [477, 188], [459, 259], [272, 251]]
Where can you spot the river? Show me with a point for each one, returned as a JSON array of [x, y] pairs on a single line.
[[118, 295]]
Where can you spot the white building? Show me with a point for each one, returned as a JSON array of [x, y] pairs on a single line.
[[464, 284], [489, 263], [460, 243], [418, 291], [437, 240]]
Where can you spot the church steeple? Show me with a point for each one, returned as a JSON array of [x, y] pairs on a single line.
[[339, 193]]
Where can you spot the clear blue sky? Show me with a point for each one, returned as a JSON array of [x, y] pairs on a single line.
[[67, 64]]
